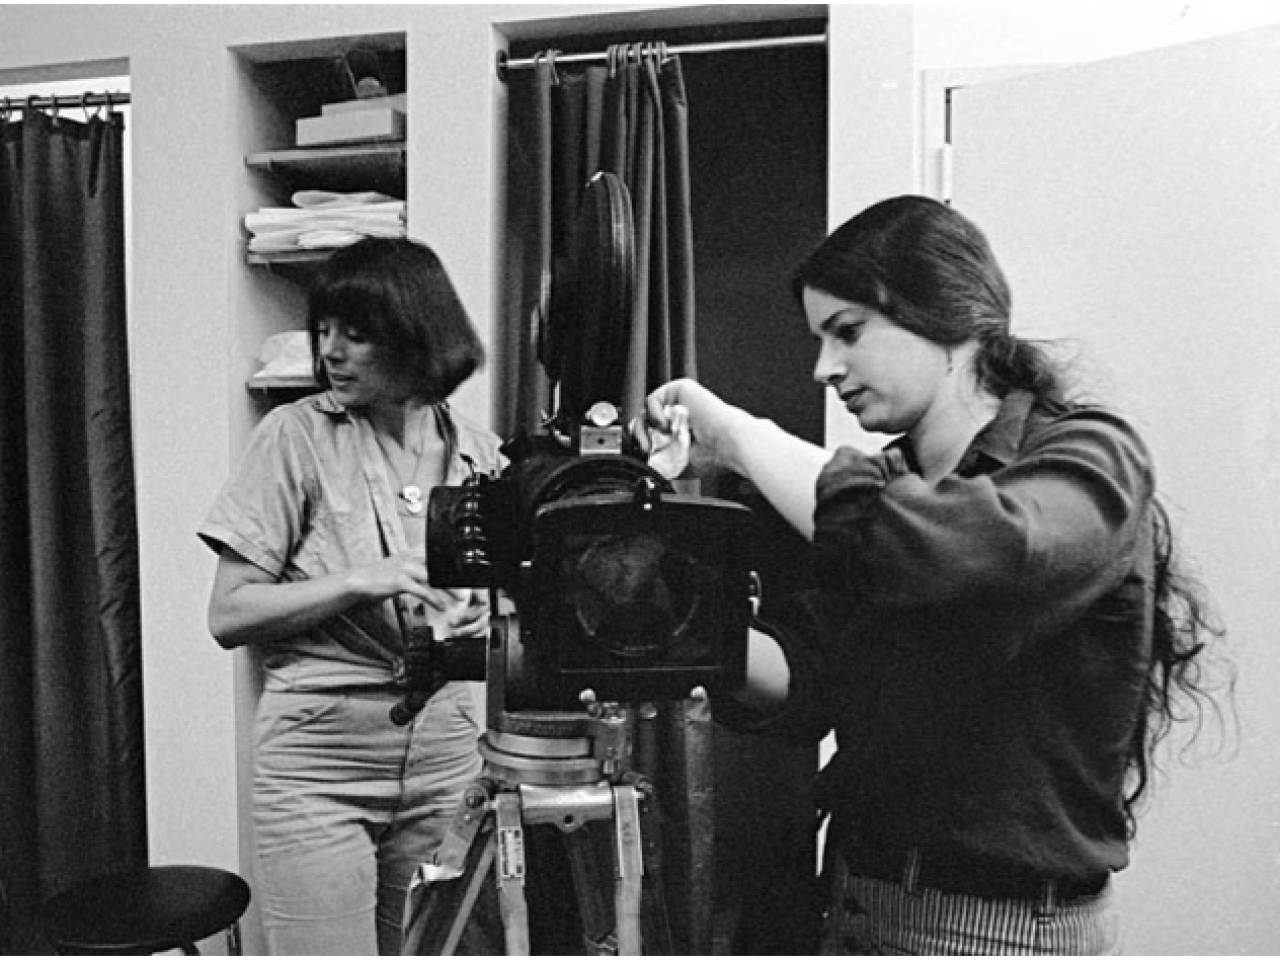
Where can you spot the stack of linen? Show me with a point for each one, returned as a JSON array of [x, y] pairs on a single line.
[[322, 219]]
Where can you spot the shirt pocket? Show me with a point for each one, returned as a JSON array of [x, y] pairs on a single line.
[[341, 534]]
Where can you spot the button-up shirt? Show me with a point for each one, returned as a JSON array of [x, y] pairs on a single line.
[[312, 497], [980, 646]]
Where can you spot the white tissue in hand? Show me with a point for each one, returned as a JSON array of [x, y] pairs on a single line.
[[669, 449]]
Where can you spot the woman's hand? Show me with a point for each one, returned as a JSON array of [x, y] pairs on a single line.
[[783, 467], [391, 576], [466, 611], [249, 605], [712, 424]]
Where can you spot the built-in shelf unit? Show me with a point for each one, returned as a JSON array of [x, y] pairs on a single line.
[[282, 83]]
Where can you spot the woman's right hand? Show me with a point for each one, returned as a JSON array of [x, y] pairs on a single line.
[[467, 611], [711, 423]]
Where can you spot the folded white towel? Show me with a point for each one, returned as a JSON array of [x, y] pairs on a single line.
[[287, 218], [323, 239]]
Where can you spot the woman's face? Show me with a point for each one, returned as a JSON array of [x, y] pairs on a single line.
[[886, 376], [360, 372]]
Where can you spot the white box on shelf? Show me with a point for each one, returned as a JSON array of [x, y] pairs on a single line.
[[354, 126]]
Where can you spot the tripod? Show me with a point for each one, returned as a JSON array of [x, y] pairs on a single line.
[[567, 770]]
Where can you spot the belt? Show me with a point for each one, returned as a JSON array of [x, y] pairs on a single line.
[[947, 873]]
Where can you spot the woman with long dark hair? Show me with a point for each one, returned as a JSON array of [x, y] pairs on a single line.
[[998, 635]]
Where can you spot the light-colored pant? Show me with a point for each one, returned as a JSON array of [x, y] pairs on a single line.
[[346, 806], [869, 917]]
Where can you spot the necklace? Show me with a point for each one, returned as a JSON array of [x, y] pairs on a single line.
[[409, 492]]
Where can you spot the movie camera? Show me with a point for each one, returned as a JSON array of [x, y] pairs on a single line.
[[609, 592], [615, 587], [617, 606]]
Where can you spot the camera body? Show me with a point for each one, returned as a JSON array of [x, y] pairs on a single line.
[[620, 586]]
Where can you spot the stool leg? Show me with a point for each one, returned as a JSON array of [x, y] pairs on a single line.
[[234, 947]]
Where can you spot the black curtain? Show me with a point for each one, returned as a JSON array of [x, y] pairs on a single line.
[[628, 117], [72, 787]]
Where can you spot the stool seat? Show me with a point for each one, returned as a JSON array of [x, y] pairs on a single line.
[[150, 910]]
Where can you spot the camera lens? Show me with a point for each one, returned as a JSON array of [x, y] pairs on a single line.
[[630, 593]]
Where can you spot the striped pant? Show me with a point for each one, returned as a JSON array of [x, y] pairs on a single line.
[[869, 917]]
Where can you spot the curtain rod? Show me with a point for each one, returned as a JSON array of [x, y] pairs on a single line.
[[68, 101], [505, 64]]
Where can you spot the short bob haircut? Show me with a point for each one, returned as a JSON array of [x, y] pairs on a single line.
[[396, 294]]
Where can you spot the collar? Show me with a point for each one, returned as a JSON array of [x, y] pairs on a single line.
[[326, 402], [999, 440], [996, 444]]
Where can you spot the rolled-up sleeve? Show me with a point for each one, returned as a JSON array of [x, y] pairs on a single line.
[[260, 511]]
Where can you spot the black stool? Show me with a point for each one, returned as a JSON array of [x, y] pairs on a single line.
[[147, 911]]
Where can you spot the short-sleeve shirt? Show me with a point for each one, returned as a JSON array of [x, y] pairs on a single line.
[[312, 497]]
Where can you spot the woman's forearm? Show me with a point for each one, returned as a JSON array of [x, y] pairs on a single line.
[[783, 467], [247, 610]]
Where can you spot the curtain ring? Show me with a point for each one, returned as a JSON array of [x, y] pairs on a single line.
[[54, 109], [550, 57], [53, 106]]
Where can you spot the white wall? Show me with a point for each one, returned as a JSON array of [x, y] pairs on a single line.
[[980, 35], [187, 266]]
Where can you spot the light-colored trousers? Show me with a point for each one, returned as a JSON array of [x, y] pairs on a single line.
[[346, 806]]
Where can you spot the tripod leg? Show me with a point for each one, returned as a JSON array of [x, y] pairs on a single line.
[[443, 893], [511, 874], [630, 870], [591, 858]]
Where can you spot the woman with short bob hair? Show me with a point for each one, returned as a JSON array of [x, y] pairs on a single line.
[[397, 292], [321, 536]]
